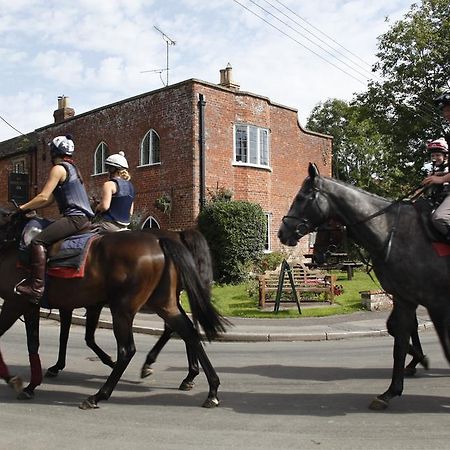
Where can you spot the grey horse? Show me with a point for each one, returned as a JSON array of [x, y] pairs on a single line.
[[404, 260]]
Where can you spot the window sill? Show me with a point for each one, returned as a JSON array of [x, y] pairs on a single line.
[[252, 166], [98, 174], [149, 165]]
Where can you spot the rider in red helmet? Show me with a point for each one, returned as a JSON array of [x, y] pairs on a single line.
[[441, 216]]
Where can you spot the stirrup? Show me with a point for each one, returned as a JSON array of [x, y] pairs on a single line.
[[18, 284], [33, 300]]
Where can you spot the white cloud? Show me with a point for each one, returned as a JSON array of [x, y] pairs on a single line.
[[94, 52]]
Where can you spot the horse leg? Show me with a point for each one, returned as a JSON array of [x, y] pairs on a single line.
[[182, 325], [9, 314], [155, 351], [92, 318], [123, 331], [441, 321], [415, 350], [400, 325], [32, 330], [65, 320], [188, 383]]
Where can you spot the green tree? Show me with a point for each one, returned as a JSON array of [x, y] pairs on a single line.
[[361, 154], [413, 66]]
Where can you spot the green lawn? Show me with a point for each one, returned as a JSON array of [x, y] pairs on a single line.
[[235, 300]]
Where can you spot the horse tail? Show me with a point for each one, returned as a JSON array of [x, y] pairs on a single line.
[[199, 295], [199, 248]]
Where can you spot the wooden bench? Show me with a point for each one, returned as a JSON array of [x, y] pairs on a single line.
[[310, 285]]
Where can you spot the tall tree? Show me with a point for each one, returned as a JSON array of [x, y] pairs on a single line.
[[413, 67]]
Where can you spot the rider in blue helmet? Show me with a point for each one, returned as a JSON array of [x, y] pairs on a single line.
[[65, 186]]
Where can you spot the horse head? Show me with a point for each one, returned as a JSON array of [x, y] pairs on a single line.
[[308, 211], [11, 225]]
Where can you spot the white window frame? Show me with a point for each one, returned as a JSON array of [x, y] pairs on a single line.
[[103, 149], [150, 150], [150, 219], [19, 166], [257, 147]]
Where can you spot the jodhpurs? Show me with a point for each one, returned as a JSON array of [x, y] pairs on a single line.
[[61, 228]]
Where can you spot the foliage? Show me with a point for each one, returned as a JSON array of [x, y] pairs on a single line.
[[235, 231], [360, 152], [379, 137], [413, 65]]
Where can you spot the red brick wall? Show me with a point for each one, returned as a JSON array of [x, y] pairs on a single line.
[[174, 114]]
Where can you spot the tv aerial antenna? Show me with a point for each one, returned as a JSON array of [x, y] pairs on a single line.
[[169, 42]]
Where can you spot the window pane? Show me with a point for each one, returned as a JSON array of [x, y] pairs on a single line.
[[264, 147], [253, 145], [145, 150], [156, 157], [241, 143], [99, 158]]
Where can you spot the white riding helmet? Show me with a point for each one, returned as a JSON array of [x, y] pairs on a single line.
[[62, 145], [117, 160]]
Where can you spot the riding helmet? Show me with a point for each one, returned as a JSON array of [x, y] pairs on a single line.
[[62, 145], [438, 146], [117, 160]]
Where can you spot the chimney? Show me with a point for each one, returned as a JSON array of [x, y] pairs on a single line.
[[64, 111], [226, 78]]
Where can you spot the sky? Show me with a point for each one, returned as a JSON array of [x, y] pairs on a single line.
[[296, 53]]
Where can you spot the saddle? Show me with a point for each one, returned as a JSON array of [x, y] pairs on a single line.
[[66, 258], [425, 208]]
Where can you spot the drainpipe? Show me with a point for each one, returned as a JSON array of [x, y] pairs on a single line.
[[202, 155]]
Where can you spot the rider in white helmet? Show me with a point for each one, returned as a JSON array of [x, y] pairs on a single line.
[[65, 186], [116, 205]]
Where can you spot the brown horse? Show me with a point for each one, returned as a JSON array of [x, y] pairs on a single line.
[[126, 271], [197, 245]]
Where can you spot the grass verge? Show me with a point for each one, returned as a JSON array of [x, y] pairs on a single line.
[[235, 300]]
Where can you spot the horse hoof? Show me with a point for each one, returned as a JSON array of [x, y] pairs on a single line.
[[146, 371], [51, 372], [16, 383], [186, 385], [26, 394], [425, 362], [378, 404], [211, 403], [89, 403]]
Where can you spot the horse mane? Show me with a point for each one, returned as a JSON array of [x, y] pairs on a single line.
[[358, 189]]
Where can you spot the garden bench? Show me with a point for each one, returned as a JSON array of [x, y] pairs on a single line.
[[310, 285]]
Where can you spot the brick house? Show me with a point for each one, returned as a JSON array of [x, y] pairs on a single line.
[[183, 143]]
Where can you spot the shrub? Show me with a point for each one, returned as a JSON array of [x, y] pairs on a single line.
[[235, 231]]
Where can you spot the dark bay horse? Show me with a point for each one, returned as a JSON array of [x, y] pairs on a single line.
[[197, 245], [404, 259], [126, 271]]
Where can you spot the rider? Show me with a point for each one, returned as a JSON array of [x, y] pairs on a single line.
[[116, 205], [441, 216], [65, 186]]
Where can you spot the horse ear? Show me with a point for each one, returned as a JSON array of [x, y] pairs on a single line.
[[313, 171]]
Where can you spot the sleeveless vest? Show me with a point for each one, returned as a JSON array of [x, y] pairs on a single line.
[[71, 196], [121, 201]]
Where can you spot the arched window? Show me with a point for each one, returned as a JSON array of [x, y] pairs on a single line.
[[150, 222], [100, 154], [150, 149]]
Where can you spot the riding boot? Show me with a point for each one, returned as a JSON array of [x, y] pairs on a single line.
[[33, 287]]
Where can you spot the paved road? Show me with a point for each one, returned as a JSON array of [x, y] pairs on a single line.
[[275, 395]]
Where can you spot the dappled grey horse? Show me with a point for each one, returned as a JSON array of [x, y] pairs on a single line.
[[404, 260]]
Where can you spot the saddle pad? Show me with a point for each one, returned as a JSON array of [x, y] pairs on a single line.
[[70, 261], [441, 248]]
